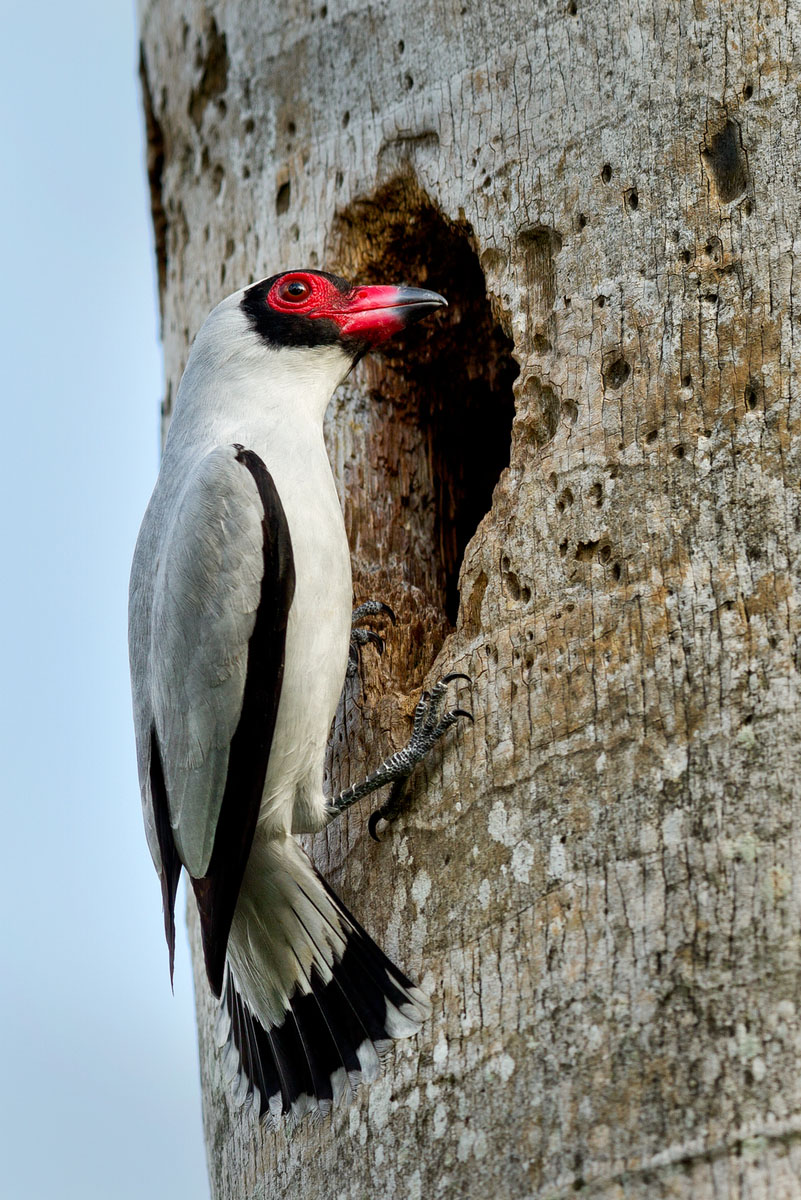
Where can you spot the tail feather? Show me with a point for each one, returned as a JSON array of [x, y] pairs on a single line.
[[310, 1003]]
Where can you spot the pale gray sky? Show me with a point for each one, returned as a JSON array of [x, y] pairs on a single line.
[[99, 1096]]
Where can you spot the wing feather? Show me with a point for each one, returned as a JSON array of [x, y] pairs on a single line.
[[207, 592], [223, 588]]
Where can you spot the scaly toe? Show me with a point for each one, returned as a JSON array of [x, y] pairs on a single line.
[[372, 608]]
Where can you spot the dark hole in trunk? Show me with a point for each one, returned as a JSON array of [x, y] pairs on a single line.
[[448, 381]]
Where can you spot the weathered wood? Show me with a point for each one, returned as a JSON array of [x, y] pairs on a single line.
[[598, 883]]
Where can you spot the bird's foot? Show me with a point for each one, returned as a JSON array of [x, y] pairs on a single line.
[[430, 723], [360, 637]]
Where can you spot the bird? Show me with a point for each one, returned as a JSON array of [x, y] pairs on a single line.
[[241, 630]]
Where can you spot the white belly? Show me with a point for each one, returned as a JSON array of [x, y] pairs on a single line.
[[318, 637]]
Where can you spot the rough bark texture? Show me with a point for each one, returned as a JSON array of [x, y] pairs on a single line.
[[599, 882]]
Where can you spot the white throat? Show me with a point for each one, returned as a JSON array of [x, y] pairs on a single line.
[[234, 383]]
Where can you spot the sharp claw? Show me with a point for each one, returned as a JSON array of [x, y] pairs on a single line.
[[372, 608], [455, 675], [375, 817], [462, 712]]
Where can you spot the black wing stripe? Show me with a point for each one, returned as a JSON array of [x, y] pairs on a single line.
[[217, 892], [170, 860]]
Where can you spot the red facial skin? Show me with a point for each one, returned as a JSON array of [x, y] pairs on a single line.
[[370, 314]]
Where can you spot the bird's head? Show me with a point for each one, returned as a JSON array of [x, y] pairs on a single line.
[[286, 342], [311, 308]]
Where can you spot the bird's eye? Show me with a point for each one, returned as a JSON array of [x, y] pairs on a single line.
[[294, 290]]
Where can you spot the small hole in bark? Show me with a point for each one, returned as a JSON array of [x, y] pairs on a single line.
[[632, 199], [678, 452], [748, 208], [751, 395], [748, 92], [444, 421], [581, 221], [213, 63], [606, 173], [345, 120], [512, 585], [572, 8], [585, 551], [570, 411], [282, 198], [408, 82], [401, 46], [686, 256], [651, 436], [597, 494], [724, 158], [615, 373], [600, 301], [540, 410], [686, 380], [565, 500], [616, 571]]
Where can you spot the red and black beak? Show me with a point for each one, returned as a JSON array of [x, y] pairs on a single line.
[[374, 314]]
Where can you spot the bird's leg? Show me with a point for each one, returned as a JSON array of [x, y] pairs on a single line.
[[430, 723], [360, 637]]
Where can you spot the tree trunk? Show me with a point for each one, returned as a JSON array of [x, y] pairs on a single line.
[[598, 446]]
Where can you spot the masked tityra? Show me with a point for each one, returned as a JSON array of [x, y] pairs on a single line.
[[240, 624]]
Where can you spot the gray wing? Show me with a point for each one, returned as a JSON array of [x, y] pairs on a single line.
[[207, 591], [222, 590]]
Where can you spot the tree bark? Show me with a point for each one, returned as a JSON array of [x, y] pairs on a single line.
[[599, 443]]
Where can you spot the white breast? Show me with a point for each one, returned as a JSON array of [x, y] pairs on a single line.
[[318, 636]]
